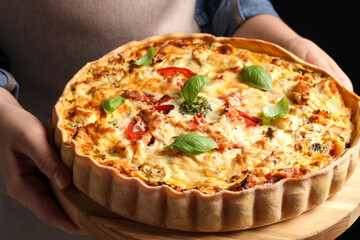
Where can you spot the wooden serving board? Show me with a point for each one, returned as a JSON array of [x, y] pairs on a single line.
[[326, 221]]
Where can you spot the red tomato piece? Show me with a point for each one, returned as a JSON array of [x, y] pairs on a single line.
[[133, 132], [250, 121], [173, 71], [164, 108]]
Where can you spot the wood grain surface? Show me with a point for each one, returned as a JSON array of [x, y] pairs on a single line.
[[326, 221]]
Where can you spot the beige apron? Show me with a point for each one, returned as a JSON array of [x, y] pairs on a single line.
[[47, 41]]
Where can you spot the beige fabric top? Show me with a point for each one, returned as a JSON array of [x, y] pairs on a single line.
[[47, 41]]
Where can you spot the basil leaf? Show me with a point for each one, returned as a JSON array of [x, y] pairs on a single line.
[[277, 110], [146, 59], [193, 144], [192, 87], [257, 76], [111, 104]]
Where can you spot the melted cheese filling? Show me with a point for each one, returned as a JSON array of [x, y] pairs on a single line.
[[314, 133]]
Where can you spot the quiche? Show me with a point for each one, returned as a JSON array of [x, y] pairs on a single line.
[[199, 133]]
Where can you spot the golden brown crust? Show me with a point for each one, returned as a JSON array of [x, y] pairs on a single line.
[[226, 210]]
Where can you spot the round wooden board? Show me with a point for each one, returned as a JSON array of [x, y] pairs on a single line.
[[326, 221]]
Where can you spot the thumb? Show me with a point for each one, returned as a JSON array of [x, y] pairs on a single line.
[[39, 150]]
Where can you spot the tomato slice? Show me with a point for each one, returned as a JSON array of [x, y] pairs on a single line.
[[173, 71], [235, 115], [250, 121], [164, 108], [134, 132]]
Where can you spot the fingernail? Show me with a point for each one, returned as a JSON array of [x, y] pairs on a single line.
[[60, 180]]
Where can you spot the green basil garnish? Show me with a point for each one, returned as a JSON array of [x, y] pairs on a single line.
[[111, 104], [193, 144], [199, 106], [277, 110], [192, 87], [146, 59], [258, 77]]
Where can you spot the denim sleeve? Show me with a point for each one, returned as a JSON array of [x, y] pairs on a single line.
[[224, 17], [8, 82]]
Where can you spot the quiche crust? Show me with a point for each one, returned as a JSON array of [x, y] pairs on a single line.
[[192, 210]]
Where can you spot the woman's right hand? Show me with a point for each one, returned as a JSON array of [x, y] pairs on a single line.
[[26, 158]]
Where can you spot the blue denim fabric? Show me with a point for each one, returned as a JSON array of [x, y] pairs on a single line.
[[224, 17], [4, 82]]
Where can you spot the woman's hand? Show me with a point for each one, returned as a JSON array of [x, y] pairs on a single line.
[[26, 157], [310, 52], [273, 29]]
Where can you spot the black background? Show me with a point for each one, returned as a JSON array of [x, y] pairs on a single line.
[[332, 25]]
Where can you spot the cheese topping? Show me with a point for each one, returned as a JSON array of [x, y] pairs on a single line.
[[132, 139]]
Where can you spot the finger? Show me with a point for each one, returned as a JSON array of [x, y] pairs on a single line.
[[40, 200], [339, 74], [334, 69], [34, 144], [323, 60], [26, 184]]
